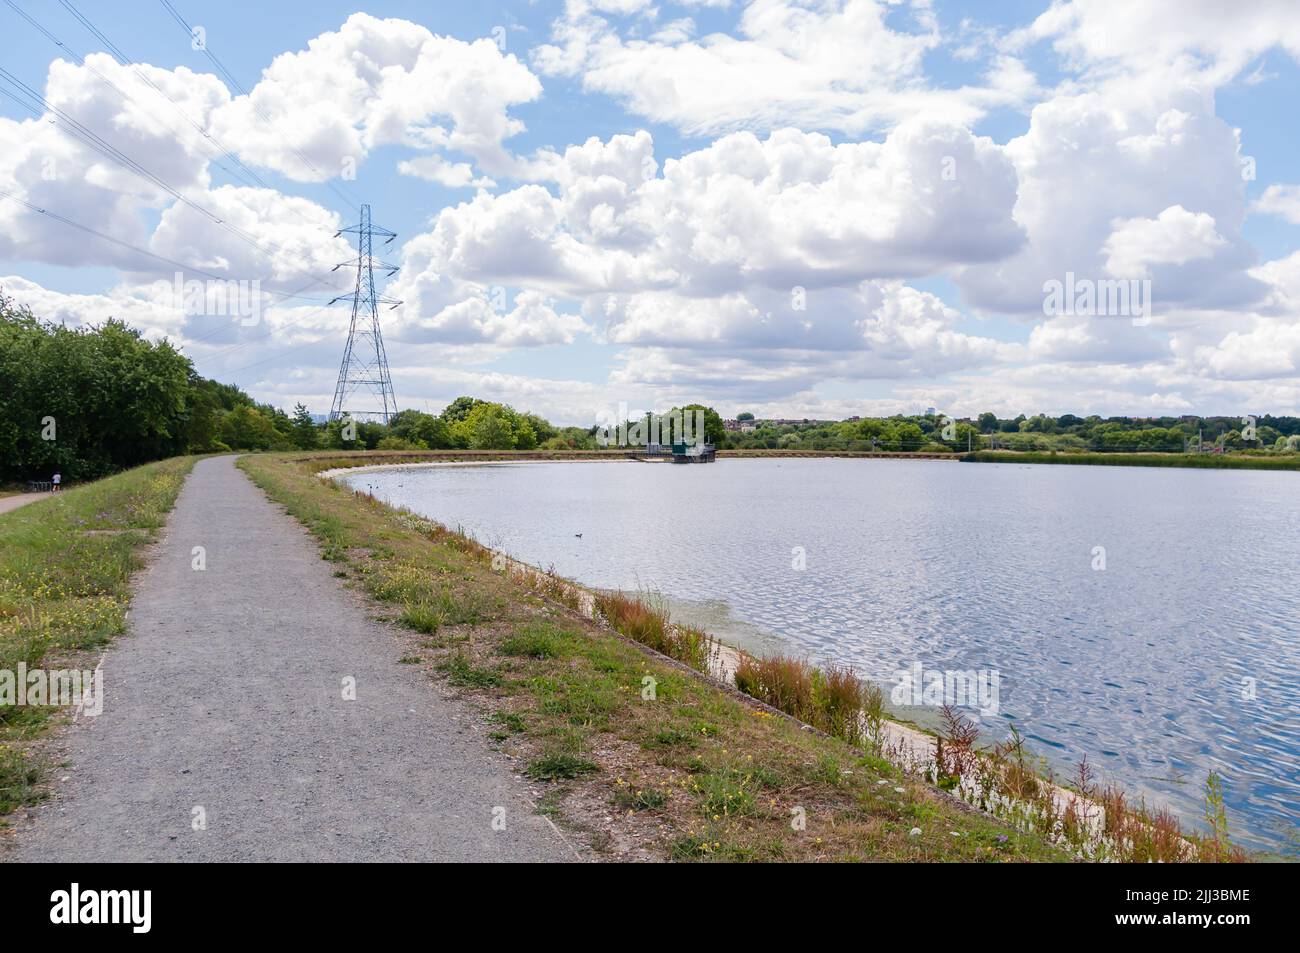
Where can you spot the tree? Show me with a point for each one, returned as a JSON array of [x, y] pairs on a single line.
[[745, 416], [714, 430], [525, 436], [909, 436], [460, 408], [988, 422], [541, 428], [91, 400], [489, 428], [246, 428], [305, 436]]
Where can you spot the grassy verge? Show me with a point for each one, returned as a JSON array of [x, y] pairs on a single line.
[[1196, 461], [638, 754], [65, 564]]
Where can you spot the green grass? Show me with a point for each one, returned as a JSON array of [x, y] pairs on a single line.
[[629, 797], [463, 672], [1204, 461], [541, 640], [65, 565], [559, 766], [422, 617]]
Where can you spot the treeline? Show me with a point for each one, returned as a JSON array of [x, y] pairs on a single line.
[[899, 434], [933, 433], [467, 423], [86, 402], [1169, 434], [92, 400]]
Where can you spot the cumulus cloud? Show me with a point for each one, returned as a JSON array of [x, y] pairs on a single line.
[[320, 111], [1107, 181], [1281, 200], [477, 318], [746, 245], [48, 163], [1174, 237], [914, 331], [454, 175], [275, 238], [790, 210], [144, 306]]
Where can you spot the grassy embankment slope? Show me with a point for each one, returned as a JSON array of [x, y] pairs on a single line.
[[1195, 461], [696, 772], [65, 565]]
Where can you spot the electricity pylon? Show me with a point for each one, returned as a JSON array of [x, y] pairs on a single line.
[[365, 363]]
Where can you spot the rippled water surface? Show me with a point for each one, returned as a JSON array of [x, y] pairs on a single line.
[[1143, 666]]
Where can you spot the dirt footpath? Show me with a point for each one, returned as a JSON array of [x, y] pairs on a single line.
[[226, 734]]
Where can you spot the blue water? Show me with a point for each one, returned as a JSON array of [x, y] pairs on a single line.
[[1143, 666]]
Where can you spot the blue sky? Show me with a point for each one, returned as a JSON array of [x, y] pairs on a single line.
[[919, 169]]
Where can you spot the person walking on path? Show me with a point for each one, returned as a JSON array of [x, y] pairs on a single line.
[[54, 484]]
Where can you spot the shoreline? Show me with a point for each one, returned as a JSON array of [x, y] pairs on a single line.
[[378, 459], [911, 745], [907, 746]]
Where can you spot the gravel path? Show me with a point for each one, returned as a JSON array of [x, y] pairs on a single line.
[[16, 500], [226, 695]]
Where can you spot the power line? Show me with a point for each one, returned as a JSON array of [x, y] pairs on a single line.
[[70, 222], [82, 132], [105, 148], [136, 248], [89, 137], [212, 57], [245, 172], [274, 357]]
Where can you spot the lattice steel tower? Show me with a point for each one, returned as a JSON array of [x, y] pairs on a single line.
[[365, 363]]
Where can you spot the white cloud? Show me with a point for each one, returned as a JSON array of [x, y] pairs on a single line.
[[1280, 200], [1209, 38], [915, 331], [1092, 158], [279, 239], [1174, 237], [824, 64], [760, 271], [533, 321], [44, 162], [714, 252], [375, 82], [790, 210], [142, 306], [454, 175]]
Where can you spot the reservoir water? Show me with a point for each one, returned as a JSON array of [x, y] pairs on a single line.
[[1148, 619]]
